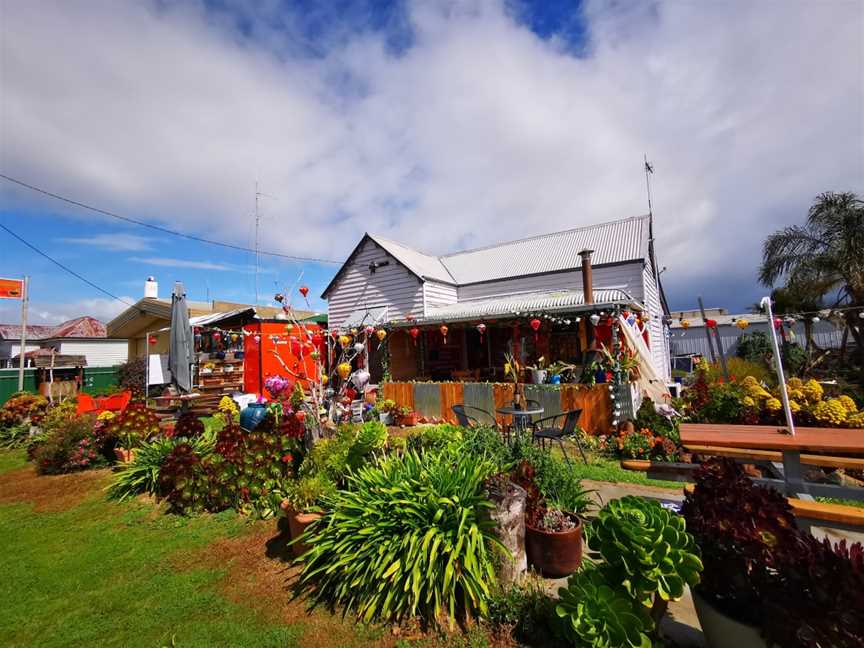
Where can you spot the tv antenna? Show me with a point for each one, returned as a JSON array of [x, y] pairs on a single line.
[[258, 196]]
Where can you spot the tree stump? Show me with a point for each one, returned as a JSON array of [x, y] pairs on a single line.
[[509, 518]]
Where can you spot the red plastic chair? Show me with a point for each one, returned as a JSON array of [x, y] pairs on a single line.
[[86, 404], [116, 402]]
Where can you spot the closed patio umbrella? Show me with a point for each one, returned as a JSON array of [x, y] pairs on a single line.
[[180, 348]]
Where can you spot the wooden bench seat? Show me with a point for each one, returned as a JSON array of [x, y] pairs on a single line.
[[823, 461], [841, 515]]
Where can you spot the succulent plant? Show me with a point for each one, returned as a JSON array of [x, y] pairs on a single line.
[[595, 613], [188, 426], [646, 547]]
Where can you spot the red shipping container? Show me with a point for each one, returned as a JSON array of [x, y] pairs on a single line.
[[275, 338]]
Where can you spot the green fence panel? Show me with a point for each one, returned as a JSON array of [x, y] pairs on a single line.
[[427, 399], [9, 382], [98, 378]]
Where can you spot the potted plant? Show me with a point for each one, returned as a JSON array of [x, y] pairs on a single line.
[[767, 583], [538, 371], [302, 505], [553, 537], [407, 416], [386, 408], [512, 369]]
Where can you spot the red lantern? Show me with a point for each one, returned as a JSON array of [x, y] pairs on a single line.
[[334, 334], [778, 323], [711, 323], [304, 290], [414, 333], [300, 416], [481, 329], [295, 346], [535, 324], [444, 330], [152, 340]]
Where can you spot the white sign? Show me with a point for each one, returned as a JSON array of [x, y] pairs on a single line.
[[157, 372]]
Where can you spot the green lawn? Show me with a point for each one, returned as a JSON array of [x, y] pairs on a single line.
[[100, 574]]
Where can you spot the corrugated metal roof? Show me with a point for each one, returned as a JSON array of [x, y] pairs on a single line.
[[214, 318], [551, 301], [421, 264], [612, 242], [80, 327], [365, 317]]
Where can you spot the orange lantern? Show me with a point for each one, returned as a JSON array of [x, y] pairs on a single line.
[[381, 333], [444, 330]]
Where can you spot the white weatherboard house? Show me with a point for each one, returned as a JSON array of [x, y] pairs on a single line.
[[385, 281]]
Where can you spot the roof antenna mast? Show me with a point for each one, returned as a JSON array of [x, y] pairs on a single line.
[[649, 171]]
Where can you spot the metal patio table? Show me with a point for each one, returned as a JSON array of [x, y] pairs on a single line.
[[521, 417]]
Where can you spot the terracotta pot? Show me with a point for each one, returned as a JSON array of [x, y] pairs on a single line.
[[123, 455], [297, 523], [721, 630], [638, 465], [409, 419], [554, 554]]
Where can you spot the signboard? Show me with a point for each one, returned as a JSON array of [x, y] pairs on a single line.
[[11, 289]]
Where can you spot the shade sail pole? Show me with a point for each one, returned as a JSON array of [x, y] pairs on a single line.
[[778, 363]]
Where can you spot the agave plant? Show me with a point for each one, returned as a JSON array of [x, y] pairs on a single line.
[[646, 548], [406, 537], [595, 613]]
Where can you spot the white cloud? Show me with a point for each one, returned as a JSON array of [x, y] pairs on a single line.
[[53, 313], [181, 263], [479, 132], [117, 242]]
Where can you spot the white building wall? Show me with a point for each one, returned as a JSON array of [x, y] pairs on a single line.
[[440, 294], [392, 286], [627, 277], [9, 349], [656, 334], [99, 353]]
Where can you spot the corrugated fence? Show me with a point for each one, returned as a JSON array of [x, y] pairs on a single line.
[[437, 399], [95, 378]]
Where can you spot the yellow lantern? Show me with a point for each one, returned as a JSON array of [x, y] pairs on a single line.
[[353, 331], [344, 369], [324, 380], [685, 324], [344, 340], [742, 323], [381, 333]]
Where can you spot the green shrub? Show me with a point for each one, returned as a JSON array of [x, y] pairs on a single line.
[[435, 437], [646, 548], [350, 448], [555, 478], [141, 475], [310, 493], [596, 613], [755, 347], [522, 608], [486, 441], [407, 537], [15, 436]]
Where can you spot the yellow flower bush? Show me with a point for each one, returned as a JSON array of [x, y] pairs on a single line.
[[812, 391], [848, 403], [228, 406], [794, 384], [773, 405], [794, 406], [856, 420], [830, 412], [747, 401]]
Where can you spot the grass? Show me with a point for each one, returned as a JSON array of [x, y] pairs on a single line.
[[12, 460], [601, 468], [102, 574]]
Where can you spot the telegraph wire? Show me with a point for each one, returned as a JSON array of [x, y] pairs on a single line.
[[64, 267], [161, 229]]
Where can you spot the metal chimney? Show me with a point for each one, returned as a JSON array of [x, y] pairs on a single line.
[[151, 288], [587, 276]]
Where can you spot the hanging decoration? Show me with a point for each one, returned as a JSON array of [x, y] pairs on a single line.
[[381, 333], [279, 297], [304, 290], [152, 340], [790, 322], [685, 324], [344, 369], [444, 330], [324, 380], [595, 319], [815, 320], [360, 379], [742, 323], [535, 325], [711, 323], [778, 323], [359, 348], [334, 334], [414, 332], [257, 338], [481, 329], [370, 330], [344, 340], [353, 331], [234, 337]]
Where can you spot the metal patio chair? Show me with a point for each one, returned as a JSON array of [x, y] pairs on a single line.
[[466, 420], [545, 429]]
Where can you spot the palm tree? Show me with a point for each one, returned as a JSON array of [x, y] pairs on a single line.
[[824, 255]]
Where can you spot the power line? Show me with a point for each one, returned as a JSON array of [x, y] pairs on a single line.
[[66, 268], [164, 230]]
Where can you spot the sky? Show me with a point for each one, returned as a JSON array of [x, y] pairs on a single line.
[[441, 124]]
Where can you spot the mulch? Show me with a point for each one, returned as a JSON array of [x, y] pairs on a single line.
[[50, 493]]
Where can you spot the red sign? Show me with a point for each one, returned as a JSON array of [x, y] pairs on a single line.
[[11, 289]]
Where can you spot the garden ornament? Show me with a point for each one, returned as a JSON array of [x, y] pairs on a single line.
[[359, 348], [304, 290]]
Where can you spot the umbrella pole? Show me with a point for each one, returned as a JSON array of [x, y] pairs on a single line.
[[778, 363]]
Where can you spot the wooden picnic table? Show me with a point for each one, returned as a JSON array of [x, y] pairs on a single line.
[[845, 442]]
